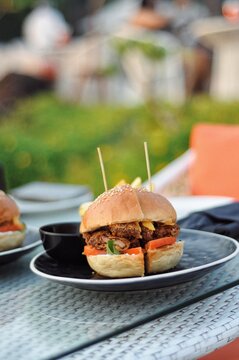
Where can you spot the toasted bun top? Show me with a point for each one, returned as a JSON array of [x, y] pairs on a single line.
[[124, 204], [8, 208]]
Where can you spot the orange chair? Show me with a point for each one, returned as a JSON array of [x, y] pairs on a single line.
[[210, 167]]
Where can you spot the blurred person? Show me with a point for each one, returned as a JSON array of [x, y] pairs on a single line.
[[197, 58], [27, 66], [22, 73], [182, 13], [155, 69], [176, 16], [45, 28], [214, 6], [147, 16], [16, 86]]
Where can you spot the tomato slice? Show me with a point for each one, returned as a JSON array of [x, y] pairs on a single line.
[[134, 251], [90, 250], [11, 227], [157, 243]]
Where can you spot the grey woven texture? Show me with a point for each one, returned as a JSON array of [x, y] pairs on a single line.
[[183, 335], [39, 318]]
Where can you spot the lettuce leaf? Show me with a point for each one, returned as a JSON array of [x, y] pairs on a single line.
[[110, 248]]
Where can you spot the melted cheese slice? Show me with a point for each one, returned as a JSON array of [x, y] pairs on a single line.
[[149, 225]]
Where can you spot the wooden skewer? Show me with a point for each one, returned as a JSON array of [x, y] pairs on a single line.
[[148, 165], [102, 169]]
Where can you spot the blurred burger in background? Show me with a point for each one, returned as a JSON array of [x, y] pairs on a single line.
[[12, 231], [131, 232]]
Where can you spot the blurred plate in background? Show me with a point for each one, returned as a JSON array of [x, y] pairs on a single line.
[[184, 205], [41, 197]]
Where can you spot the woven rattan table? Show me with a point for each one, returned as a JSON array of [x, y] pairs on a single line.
[[40, 319]]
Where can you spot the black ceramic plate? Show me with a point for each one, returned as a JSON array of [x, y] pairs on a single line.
[[31, 240], [203, 252]]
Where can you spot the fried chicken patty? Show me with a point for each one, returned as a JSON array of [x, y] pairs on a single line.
[[128, 235]]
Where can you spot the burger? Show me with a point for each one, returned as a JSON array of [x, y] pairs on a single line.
[[131, 232], [12, 231]]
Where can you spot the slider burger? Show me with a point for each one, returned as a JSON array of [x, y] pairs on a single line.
[[130, 232], [12, 231]]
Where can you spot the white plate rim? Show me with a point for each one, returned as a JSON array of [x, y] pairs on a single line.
[[125, 281]]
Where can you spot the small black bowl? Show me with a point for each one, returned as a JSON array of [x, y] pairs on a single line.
[[63, 241]]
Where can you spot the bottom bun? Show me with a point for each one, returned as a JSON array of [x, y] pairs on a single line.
[[164, 258], [117, 266], [11, 239]]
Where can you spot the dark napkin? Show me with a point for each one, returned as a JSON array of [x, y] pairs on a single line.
[[222, 220]]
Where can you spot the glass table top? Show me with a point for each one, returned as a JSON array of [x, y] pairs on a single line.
[[42, 319]]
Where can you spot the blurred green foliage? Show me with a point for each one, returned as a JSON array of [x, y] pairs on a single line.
[[149, 49], [15, 5], [47, 139]]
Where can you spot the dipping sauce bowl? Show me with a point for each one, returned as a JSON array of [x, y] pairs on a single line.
[[63, 241]]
